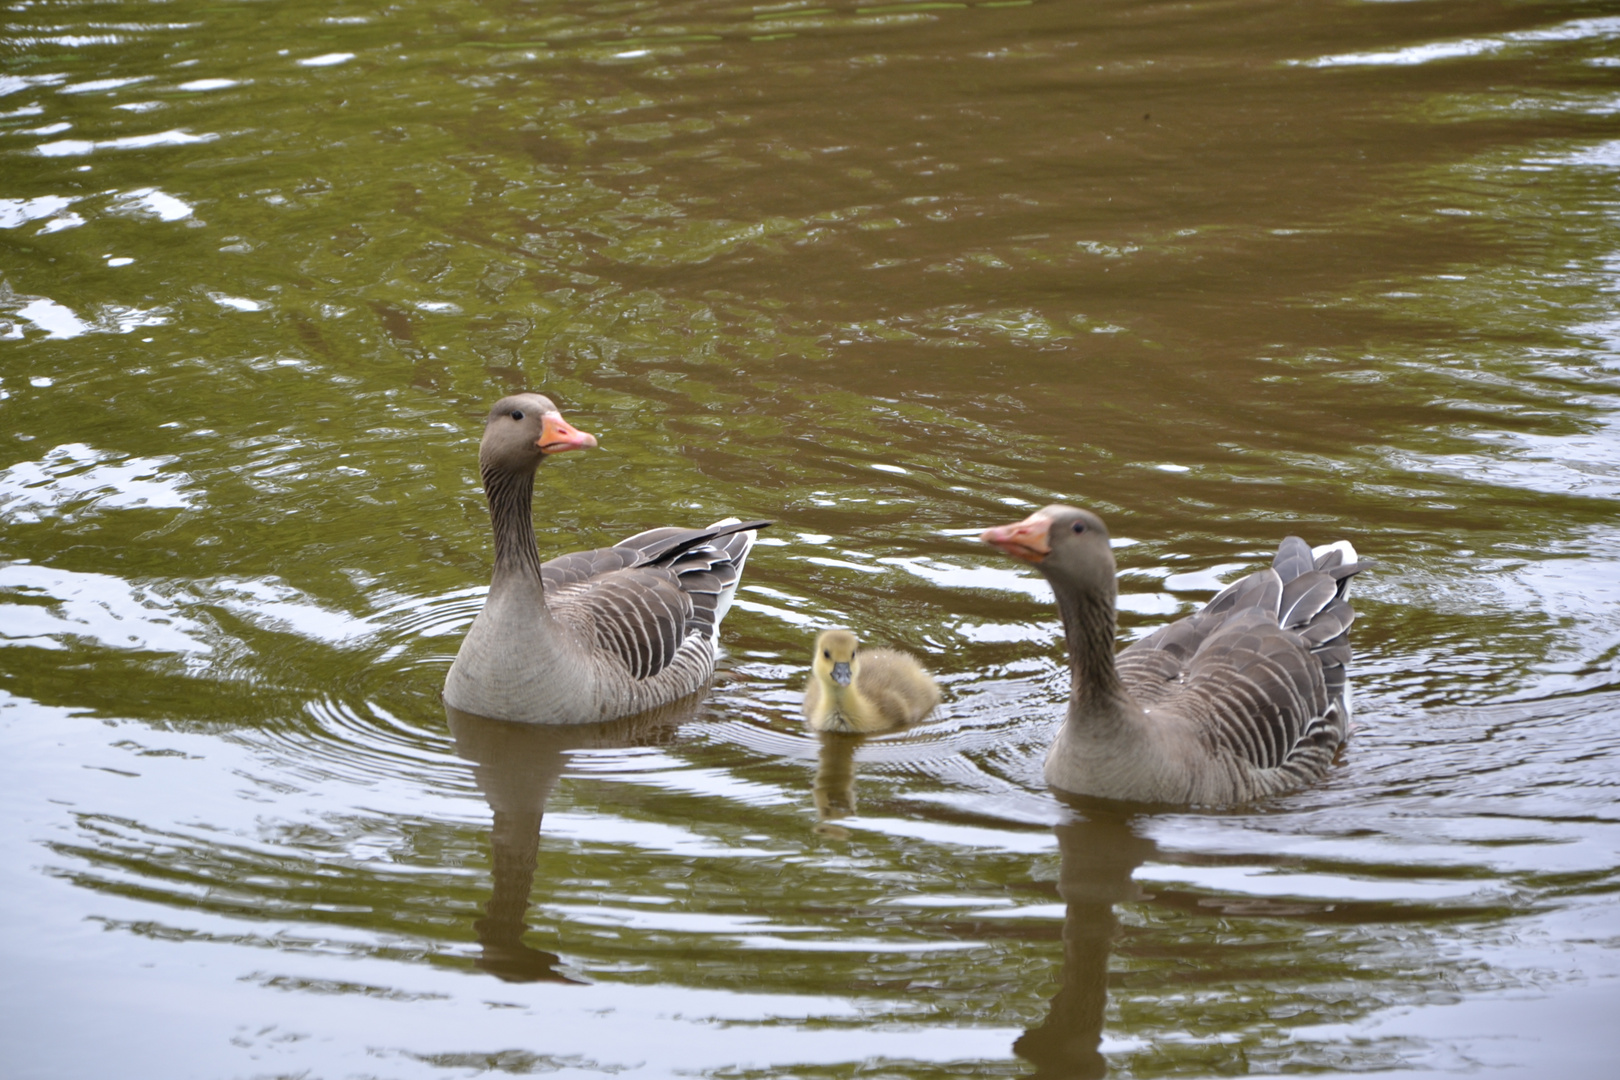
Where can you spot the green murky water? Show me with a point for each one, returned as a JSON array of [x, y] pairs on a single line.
[[887, 274]]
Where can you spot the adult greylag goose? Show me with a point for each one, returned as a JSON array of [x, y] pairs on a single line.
[[858, 690], [1242, 699], [591, 635]]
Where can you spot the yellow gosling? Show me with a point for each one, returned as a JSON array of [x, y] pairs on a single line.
[[859, 690]]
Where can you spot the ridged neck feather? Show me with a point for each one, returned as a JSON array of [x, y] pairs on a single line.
[[511, 513], [1089, 629]]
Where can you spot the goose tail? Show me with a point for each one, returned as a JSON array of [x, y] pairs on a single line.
[[736, 547]]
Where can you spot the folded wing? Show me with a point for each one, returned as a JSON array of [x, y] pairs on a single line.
[[1260, 671], [654, 596]]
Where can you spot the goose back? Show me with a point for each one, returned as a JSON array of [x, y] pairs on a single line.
[[607, 632], [653, 601]]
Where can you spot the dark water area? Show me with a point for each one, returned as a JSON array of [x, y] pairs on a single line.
[[887, 274]]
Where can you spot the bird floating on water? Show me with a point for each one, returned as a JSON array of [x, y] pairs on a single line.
[[858, 690], [591, 635], [1242, 699]]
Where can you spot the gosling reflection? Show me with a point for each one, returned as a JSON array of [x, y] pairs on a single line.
[[834, 786], [1100, 850], [516, 766]]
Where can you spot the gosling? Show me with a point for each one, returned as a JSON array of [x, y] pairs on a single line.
[[858, 691]]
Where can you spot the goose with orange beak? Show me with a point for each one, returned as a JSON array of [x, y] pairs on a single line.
[[590, 635], [1243, 699]]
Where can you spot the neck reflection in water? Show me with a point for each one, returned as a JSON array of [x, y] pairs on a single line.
[[516, 766], [834, 786], [1100, 849]]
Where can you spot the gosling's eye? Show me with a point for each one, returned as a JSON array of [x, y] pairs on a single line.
[[1079, 526], [517, 414], [827, 654]]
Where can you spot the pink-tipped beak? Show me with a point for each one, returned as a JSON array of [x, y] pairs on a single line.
[[557, 435], [1028, 539]]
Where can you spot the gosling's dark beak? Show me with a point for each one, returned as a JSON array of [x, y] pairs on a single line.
[[841, 674]]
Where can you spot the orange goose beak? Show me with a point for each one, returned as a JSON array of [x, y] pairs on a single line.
[[1028, 539], [557, 435]]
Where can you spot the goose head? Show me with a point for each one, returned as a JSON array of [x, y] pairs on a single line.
[[836, 657], [522, 430], [1069, 546]]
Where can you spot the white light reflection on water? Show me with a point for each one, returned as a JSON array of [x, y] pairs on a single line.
[[87, 480], [11, 84], [1577, 30], [151, 202], [1585, 464], [55, 319], [240, 839], [48, 608], [98, 85], [236, 303], [1416, 54], [15, 212], [82, 147], [60, 322], [1602, 155], [201, 85]]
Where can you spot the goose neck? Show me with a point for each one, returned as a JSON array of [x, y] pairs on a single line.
[[511, 515], [1089, 630]]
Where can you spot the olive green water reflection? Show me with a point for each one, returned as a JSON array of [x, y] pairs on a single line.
[[884, 273]]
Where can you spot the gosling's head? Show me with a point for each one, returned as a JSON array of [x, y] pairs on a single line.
[[835, 657]]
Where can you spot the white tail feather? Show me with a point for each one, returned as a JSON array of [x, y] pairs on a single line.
[[1341, 545], [722, 603]]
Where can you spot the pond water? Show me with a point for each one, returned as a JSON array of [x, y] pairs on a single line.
[[888, 274]]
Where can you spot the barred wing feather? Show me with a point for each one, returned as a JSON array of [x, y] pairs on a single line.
[[1260, 670], [653, 597]]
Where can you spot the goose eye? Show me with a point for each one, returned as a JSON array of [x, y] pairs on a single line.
[[517, 414], [826, 653], [1079, 526]]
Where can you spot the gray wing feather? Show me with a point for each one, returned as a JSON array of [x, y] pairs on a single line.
[[1331, 622], [1261, 669], [1303, 597], [1293, 558], [643, 598], [578, 567], [1261, 590]]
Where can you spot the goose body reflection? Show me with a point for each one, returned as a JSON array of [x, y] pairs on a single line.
[[517, 766], [1100, 851], [1242, 699], [858, 690], [591, 635]]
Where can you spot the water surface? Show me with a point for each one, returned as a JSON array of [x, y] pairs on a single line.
[[886, 273]]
